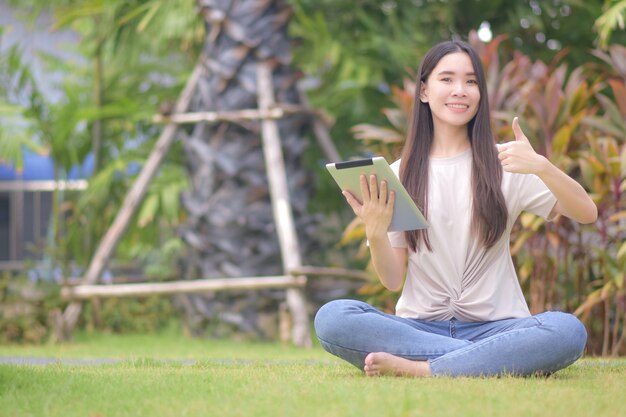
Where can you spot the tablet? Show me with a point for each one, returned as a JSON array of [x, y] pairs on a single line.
[[406, 215]]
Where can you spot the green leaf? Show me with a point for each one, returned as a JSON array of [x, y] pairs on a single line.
[[66, 16], [148, 210], [619, 92], [613, 112], [621, 253], [619, 280], [603, 125], [586, 171], [561, 140], [145, 21], [170, 202], [134, 13], [623, 161]]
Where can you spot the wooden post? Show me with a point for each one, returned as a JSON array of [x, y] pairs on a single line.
[[321, 133], [281, 206], [131, 202]]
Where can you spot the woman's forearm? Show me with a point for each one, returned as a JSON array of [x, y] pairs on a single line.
[[376, 211], [388, 262], [572, 199]]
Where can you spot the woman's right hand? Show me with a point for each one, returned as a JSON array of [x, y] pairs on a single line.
[[376, 210]]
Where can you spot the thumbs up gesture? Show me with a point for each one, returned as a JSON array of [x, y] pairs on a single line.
[[519, 156]]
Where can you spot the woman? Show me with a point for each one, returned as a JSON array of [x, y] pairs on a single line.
[[462, 311]]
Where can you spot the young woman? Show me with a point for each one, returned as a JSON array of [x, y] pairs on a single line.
[[462, 311]]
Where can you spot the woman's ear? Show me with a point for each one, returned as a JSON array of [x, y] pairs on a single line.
[[423, 92]]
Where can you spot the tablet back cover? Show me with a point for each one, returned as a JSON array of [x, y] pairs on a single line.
[[406, 215]]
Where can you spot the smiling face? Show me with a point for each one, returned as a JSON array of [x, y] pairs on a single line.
[[451, 91]]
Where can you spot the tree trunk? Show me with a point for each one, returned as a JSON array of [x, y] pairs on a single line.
[[230, 229]]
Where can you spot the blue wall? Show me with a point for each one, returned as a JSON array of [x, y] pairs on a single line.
[[41, 167]]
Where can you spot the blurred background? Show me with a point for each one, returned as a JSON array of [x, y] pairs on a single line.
[[85, 86]]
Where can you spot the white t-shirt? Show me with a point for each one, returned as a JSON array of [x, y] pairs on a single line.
[[459, 278]]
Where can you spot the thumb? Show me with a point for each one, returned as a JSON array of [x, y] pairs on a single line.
[[517, 131], [352, 201]]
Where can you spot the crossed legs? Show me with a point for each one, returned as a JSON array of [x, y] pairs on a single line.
[[381, 343]]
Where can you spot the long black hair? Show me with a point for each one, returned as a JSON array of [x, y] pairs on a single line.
[[489, 212]]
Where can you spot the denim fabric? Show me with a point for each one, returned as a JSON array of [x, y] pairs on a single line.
[[540, 344]]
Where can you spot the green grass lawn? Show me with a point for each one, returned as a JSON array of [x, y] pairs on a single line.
[[265, 379]]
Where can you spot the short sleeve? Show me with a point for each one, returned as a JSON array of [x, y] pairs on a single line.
[[397, 239], [532, 195]]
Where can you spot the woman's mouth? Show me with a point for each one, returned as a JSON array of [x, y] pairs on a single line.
[[457, 106]]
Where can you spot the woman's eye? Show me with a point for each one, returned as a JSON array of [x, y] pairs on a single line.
[[472, 82]]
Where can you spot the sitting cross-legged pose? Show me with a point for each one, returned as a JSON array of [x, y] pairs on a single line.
[[462, 311]]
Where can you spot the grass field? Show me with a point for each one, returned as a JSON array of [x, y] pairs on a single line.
[[170, 375]]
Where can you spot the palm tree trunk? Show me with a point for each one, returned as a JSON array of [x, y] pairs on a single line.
[[230, 229]]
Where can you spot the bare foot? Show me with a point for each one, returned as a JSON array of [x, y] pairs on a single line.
[[382, 363]]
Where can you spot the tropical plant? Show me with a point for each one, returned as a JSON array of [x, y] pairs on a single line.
[[354, 51], [134, 56], [611, 19], [52, 128], [552, 105], [129, 70], [603, 170]]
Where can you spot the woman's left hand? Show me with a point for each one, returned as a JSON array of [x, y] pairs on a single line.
[[518, 156]]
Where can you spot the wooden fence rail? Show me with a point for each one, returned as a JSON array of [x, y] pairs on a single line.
[[297, 279], [144, 289]]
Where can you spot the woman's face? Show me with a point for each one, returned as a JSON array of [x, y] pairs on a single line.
[[451, 91]]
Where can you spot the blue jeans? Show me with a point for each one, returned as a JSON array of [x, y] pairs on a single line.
[[540, 344]]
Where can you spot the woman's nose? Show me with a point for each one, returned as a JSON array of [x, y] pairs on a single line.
[[459, 89]]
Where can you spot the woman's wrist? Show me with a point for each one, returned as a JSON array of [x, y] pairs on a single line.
[[544, 166], [375, 235]]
